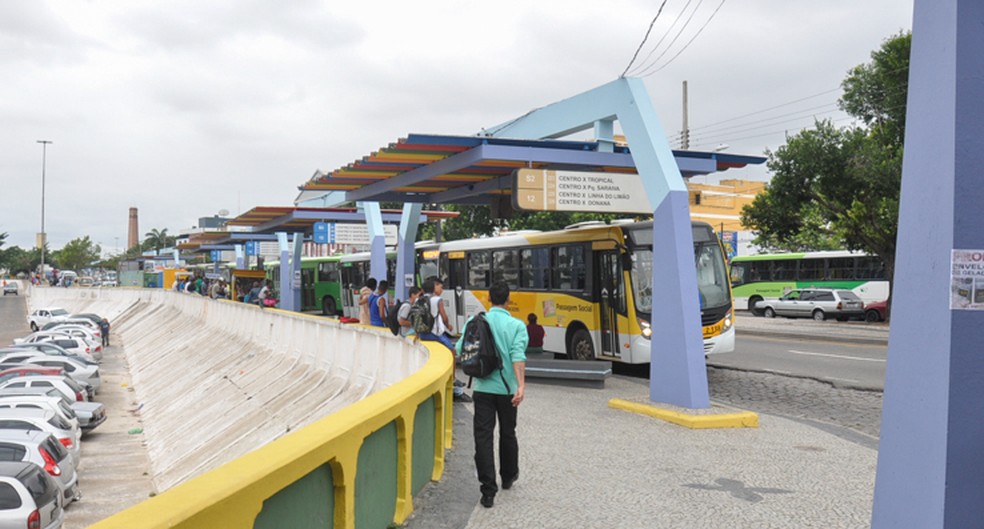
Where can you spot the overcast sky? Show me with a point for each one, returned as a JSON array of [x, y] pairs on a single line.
[[185, 108]]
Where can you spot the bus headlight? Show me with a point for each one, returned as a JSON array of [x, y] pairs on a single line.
[[647, 331], [728, 322]]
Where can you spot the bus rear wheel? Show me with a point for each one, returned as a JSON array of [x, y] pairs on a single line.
[[580, 347], [752, 305], [328, 306]]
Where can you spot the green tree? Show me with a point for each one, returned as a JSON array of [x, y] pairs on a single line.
[[158, 240], [841, 186], [78, 253]]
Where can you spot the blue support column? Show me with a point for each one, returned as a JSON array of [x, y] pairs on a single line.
[[240, 257], [377, 240], [295, 274], [605, 135], [286, 293], [930, 458], [677, 349], [405, 250]]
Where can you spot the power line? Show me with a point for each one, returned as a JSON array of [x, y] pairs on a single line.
[[642, 71], [717, 129], [661, 39], [773, 132], [687, 45], [715, 136], [768, 109], [646, 37]]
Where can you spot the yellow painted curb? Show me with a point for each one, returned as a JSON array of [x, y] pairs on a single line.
[[740, 419]]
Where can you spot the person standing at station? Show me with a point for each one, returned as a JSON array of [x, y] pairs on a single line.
[[364, 295], [433, 288], [536, 333], [403, 312], [379, 305], [498, 396]]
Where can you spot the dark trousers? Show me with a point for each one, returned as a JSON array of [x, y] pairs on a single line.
[[488, 407]]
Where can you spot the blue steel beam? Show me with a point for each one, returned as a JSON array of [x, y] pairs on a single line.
[[678, 373], [277, 223], [930, 464], [426, 172]]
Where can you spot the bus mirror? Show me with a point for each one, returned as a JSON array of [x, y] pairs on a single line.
[[626, 261]]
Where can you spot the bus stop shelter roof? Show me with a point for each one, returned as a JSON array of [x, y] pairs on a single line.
[[266, 219], [461, 169]]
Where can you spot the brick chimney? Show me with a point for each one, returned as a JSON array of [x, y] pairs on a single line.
[[133, 237]]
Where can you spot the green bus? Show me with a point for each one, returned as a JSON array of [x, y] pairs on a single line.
[[769, 276], [321, 287]]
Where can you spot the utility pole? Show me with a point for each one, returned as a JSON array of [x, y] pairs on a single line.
[[44, 161], [685, 134]]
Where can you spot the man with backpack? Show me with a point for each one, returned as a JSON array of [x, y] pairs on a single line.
[[430, 322], [499, 393]]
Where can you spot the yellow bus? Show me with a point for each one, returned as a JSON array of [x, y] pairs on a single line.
[[589, 285]]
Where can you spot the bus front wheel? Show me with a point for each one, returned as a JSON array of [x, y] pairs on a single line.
[[328, 306], [581, 347]]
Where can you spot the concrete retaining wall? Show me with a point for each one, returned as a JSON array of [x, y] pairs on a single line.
[[215, 380]]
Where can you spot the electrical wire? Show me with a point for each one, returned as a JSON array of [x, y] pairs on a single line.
[[646, 37], [687, 45], [643, 67]]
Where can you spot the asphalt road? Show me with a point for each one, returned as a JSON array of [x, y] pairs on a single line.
[[845, 365]]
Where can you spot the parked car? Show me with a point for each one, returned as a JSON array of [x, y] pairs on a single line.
[[74, 320], [50, 348], [55, 403], [21, 370], [74, 346], [42, 449], [81, 335], [47, 421], [29, 497], [89, 414], [875, 311], [816, 303], [70, 388], [10, 288], [81, 372], [40, 317]]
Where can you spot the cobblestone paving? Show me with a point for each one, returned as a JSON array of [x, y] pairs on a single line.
[[797, 398]]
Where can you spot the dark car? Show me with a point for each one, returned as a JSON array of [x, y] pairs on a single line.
[[875, 311]]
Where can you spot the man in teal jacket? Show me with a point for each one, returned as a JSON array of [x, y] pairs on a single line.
[[499, 396]]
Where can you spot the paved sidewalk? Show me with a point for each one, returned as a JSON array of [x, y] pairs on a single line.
[[847, 331], [586, 465]]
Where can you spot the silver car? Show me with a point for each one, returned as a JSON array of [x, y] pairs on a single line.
[[816, 303], [45, 421], [29, 497], [81, 372], [89, 414], [44, 451]]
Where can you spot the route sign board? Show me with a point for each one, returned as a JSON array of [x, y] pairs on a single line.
[[349, 233], [560, 190]]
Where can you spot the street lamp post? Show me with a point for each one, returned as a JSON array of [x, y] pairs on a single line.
[[44, 160]]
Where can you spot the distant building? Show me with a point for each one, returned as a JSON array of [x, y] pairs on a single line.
[[720, 206]]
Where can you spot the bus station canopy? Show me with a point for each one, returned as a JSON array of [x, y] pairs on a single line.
[[266, 220], [435, 169]]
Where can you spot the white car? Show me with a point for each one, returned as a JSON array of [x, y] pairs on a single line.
[[45, 421], [41, 317], [73, 320], [68, 387], [55, 403], [75, 346], [91, 344], [81, 372], [47, 348]]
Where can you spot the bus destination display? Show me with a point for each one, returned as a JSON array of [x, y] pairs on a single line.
[[549, 190]]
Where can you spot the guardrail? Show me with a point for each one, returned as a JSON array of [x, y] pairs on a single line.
[[357, 467]]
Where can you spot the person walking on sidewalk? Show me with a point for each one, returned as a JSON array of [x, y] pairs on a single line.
[[433, 288], [498, 396]]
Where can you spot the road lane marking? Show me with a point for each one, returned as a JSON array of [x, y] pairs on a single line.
[[843, 357]]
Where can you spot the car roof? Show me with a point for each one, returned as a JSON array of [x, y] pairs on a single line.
[[31, 436], [26, 413]]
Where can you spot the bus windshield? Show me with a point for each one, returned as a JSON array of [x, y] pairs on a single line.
[[712, 280]]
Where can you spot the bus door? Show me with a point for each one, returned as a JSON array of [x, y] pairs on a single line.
[[612, 300], [350, 281], [456, 281], [307, 289]]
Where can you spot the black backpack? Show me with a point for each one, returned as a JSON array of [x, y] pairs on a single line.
[[393, 318], [421, 318], [479, 356]]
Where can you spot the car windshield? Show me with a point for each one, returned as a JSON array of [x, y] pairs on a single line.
[[59, 312]]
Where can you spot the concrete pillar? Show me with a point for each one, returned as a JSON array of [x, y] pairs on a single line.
[[930, 462], [377, 240], [286, 292], [240, 257], [295, 274]]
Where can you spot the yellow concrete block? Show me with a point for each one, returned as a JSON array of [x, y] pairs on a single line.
[[715, 417]]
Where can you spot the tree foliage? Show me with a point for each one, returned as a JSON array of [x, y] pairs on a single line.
[[78, 253], [840, 187], [157, 240]]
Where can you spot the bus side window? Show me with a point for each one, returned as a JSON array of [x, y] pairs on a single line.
[[535, 273], [738, 271], [569, 268], [478, 270]]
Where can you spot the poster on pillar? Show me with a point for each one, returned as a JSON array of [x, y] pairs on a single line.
[[559, 190], [967, 280]]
